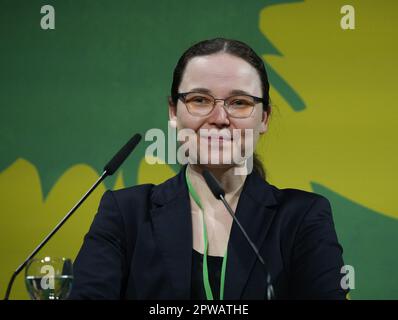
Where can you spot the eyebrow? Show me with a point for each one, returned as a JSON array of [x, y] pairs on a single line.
[[235, 91]]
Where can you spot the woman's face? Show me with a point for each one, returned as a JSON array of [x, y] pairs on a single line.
[[221, 75]]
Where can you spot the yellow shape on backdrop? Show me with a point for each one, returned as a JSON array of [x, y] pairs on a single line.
[[154, 173], [26, 217], [346, 137]]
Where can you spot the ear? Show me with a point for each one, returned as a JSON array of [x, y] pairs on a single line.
[[265, 120], [172, 113]]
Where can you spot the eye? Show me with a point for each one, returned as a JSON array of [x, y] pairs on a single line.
[[199, 100], [238, 102], [241, 102]]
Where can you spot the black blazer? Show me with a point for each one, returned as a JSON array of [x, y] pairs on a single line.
[[139, 245]]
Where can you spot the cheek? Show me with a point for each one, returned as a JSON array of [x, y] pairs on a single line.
[[254, 122], [186, 120]]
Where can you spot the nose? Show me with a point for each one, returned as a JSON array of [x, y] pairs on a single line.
[[219, 116]]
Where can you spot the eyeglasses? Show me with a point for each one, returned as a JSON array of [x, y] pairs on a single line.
[[202, 104]]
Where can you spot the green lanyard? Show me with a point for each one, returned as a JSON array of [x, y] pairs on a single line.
[[206, 282]]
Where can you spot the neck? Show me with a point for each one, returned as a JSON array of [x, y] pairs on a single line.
[[217, 219], [230, 182]]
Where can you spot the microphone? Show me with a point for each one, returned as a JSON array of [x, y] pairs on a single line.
[[219, 194], [109, 169], [112, 166]]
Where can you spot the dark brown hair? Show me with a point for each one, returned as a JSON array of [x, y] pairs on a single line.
[[235, 48]]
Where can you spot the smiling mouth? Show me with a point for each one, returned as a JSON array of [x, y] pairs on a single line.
[[216, 138]]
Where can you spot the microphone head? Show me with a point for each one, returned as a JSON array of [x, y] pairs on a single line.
[[123, 153], [213, 184]]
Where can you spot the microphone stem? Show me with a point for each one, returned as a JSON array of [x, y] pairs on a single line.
[[270, 289], [231, 212], [51, 234]]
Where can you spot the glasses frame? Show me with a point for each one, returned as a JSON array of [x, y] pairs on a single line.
[[182, 97]]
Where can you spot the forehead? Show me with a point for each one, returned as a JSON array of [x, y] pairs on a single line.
[[221, 73]]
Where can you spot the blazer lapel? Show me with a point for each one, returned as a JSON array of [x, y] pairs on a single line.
[[255, 213], [172, 224]]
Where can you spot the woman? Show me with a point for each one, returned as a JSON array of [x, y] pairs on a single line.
[[177, 241]]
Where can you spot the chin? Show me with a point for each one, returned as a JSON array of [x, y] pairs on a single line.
[[219, 166]]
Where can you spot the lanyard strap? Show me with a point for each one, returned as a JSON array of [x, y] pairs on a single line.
[[206, 282]]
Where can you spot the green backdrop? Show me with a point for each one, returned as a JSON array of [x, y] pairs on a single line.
[[70, 97]]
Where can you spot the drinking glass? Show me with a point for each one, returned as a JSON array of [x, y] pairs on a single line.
[[49, 278]]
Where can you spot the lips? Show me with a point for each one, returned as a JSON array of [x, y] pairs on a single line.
[[220, 136]]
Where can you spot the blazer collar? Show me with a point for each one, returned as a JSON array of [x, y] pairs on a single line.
[[171, 217]]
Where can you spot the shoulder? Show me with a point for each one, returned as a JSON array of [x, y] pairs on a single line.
[[131, 194], [294, 206], [296, 201], [299, 198], [142, 197], [127, 200]]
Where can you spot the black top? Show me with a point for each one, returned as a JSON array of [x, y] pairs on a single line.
[[214, 265]]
